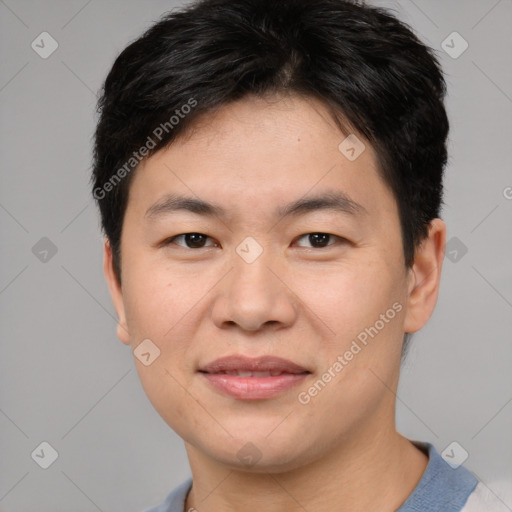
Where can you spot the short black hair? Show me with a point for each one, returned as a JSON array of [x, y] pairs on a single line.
[[375, 76]]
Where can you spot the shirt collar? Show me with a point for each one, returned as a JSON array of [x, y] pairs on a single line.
[[441, 488]]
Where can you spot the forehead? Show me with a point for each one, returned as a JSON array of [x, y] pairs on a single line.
[[256, 152]]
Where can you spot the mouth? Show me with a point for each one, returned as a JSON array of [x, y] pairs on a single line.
[[253, 378]]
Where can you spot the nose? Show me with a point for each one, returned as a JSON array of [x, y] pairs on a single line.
[[254, 296]]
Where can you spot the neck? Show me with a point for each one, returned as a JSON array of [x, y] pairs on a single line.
[[363, 474]]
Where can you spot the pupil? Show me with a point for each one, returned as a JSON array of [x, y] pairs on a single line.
[[318, 239], [194, 240]]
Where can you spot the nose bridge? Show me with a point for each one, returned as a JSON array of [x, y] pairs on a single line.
[[252, 276], [252, 295]]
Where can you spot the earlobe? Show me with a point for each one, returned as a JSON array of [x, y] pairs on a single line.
[[425, 276], [115, 293]]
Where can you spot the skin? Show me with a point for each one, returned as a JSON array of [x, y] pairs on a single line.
[[297, 301]]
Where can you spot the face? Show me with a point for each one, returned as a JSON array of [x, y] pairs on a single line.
[[266, 269]]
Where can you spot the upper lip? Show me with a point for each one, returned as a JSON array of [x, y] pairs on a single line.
[[248, 364]]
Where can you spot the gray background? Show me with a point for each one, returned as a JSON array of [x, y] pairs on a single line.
[[67, 380]]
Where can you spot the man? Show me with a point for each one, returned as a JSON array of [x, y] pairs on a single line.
[[269, 176]]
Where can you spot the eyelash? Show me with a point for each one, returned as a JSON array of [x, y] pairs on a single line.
[[172, 240]]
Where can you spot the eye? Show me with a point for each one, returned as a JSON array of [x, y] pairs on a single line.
[[319, 240], [191, 241]]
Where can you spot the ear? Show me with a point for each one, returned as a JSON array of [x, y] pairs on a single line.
[[115, 293], [425, 277]]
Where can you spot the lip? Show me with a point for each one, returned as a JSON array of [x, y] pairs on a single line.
[[262, 385]]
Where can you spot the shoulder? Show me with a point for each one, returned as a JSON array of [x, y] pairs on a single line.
[[175, 501], [482, 499]]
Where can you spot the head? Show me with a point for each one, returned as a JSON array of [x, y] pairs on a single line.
[[302, 145]]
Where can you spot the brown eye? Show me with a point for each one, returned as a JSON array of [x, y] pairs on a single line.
[[191, 240], [318, 240]]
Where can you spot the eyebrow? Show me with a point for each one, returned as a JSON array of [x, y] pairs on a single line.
[[335, 201]]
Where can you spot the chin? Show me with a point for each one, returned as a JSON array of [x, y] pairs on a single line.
[[257, 453]]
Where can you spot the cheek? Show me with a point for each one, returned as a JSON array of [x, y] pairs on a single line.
[[351, 299], [166, 306], [157, 298]]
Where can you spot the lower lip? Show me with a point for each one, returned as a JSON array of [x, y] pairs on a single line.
[[254, 388]]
